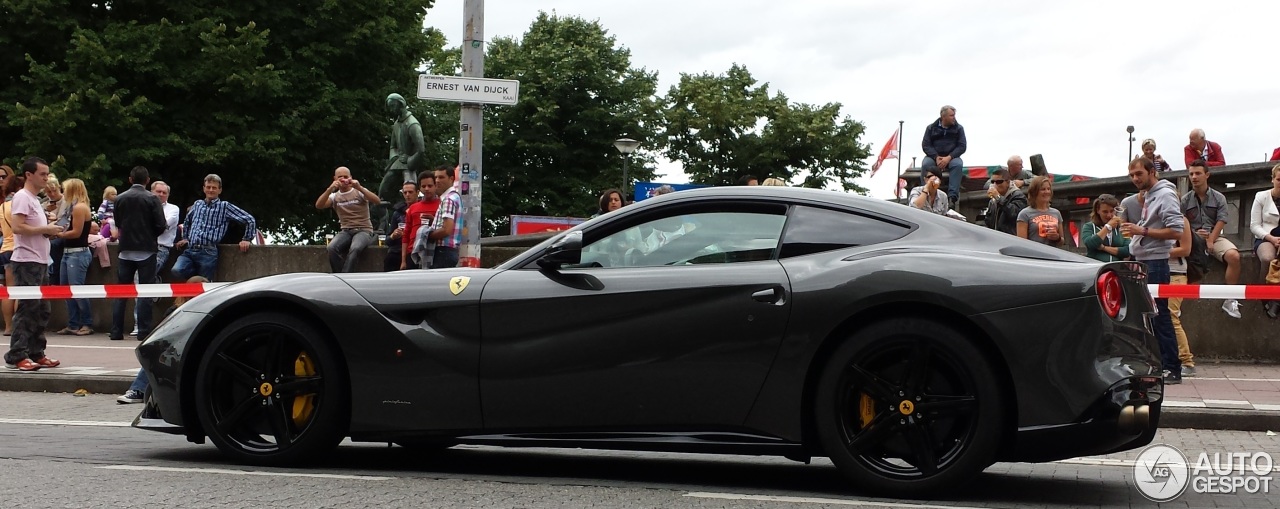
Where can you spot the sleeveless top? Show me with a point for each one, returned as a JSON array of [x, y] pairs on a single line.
[[82, 240]]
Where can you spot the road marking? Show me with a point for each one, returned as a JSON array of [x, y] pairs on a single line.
[[51, 422], [829, 501], [1183, 404], [1097, 462], [1227, 402], [51, 345], [84, 371], [1264, 406], [245, 472]]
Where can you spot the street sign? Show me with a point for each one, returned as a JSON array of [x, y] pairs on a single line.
[[468, 90]]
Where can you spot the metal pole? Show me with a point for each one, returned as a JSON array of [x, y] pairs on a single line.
[[626, 161], [471, 135], [1129, 130], [897, 193]]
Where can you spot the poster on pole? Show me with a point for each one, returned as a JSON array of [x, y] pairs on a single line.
[[521, 225]]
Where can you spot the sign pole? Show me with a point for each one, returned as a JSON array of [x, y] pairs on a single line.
[[471, 135]]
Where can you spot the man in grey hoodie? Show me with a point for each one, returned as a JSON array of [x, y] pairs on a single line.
[[1159, 225]]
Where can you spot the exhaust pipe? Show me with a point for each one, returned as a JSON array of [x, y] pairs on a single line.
[[1134, 419]]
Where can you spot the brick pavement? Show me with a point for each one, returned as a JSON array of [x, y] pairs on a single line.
[[1246, 396]]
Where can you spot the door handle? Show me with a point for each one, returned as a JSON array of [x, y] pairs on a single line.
[[769, 296]]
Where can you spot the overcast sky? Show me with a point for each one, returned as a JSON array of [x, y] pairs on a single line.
[[1061, 79]]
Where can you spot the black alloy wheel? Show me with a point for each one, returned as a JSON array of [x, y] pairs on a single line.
[[907, 407], [270, 391]]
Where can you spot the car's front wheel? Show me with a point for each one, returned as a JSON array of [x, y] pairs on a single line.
[[906, 407], [271, 391]]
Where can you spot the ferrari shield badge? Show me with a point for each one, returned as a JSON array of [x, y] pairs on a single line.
[[458, 283]]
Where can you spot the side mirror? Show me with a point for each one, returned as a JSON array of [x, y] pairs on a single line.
[[565, 250]]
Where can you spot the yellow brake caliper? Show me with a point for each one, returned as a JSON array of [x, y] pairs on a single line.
[[304, 405], [866, 409]]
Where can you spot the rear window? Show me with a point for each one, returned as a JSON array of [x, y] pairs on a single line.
[[815, 230]]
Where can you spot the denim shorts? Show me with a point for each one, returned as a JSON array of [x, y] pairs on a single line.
[[5, 257]]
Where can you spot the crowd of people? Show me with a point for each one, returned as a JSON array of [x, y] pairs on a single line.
[[1172, 235], [52, 234]]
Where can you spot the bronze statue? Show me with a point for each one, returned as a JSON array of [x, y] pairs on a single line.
[[405, 160]]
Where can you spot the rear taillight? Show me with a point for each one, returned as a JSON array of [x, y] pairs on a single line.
[[1110, 294]]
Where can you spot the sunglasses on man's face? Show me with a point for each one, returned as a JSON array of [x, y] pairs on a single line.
[[998, 181]]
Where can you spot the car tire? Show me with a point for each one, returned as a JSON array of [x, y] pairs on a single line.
[[271, 391], [907, 407]]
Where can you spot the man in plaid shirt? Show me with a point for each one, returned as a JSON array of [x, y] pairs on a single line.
[[448, 222], [204, 227]]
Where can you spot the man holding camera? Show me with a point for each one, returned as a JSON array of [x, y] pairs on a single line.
[[351, 201]]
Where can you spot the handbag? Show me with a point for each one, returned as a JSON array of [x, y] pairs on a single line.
[[1273, 272], [64, 220]]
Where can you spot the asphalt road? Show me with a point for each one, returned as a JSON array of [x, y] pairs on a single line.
[[57, 450]]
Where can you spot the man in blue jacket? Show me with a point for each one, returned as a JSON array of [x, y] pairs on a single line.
[[944, 143]]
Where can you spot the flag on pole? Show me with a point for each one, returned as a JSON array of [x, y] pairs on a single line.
[[890, 151]]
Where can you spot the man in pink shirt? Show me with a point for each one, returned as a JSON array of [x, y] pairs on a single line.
[[30, 262]]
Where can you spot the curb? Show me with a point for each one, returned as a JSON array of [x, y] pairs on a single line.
[[49, 382], [1170, 417], [1219, 419]]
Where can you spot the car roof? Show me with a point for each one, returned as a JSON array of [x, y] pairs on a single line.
[[791, 194]]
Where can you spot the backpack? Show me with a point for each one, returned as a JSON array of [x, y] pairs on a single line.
[[1198, 260]]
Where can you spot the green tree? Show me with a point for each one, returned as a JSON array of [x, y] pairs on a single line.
[[552, 153], [270, 95], [721, 127]]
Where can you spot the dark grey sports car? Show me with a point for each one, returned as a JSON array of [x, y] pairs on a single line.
[[912, 349]]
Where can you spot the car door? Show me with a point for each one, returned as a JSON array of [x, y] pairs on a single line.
[[672, 320]]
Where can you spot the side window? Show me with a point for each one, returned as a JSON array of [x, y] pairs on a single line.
[[687, 239], [814, 230]]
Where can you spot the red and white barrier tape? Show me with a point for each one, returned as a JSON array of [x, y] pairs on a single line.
[[121, 291], [151, 291], [1239, 292]]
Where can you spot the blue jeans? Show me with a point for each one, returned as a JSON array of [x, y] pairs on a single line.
[[445, 258], [1158, 274], [345, 248], [126, 270], [162, 255], [75, 267], [955, 175], [139, 382], [196, 260]]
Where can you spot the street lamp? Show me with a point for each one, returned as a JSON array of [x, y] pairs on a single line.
[[626, 146], [1130, 130]]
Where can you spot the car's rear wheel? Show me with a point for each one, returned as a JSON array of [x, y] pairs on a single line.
[[906, 407], [271, 391]]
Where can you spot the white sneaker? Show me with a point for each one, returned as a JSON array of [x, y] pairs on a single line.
[[1232, 307], [135, 331]]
